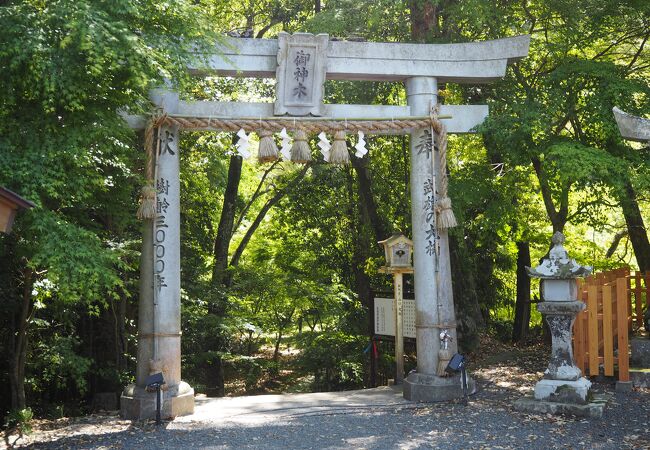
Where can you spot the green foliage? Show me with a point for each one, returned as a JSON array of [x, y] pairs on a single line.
[[69, 68], [336, 359], [58, 365], [251, 369], [378, 20], [19, 420]]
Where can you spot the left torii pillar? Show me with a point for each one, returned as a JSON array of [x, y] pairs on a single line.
[[159, 311]]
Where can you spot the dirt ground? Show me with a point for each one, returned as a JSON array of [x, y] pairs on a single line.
[[377, 420]]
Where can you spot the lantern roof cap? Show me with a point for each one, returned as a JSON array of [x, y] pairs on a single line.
[[558, 265], [396, 238]]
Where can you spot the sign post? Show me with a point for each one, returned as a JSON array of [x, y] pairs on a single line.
[[398, 249]]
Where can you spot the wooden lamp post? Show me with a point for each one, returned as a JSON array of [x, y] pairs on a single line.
[[399, 251], [10, 202]]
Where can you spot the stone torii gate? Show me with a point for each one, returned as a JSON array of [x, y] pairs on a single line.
[[301, 63]]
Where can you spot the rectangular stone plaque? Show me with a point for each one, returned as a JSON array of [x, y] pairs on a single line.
[[302, 63]]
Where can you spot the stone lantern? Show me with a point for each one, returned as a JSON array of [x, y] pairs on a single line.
[[399, 250], [563, 388]]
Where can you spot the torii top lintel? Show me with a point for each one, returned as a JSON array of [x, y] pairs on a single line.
[[301, 62], [472, 62]]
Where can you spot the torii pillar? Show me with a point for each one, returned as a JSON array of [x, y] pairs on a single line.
[[434, 305], [159, 312]]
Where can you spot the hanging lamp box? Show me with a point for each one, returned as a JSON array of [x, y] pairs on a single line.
[[399, 250]]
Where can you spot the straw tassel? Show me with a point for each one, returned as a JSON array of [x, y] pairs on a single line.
[[445, 215], [444, 356], [147, 208], [339, 152], [268, 150], [445, 218], [300, 152]]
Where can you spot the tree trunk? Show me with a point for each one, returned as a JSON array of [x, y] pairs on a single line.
[[118, 309], [635, 227], [19, 351], [465, 290], [276, 351], [522, 303], [368, 206], [226, 222], [369, 219], [424, 20], [215, 382], [361, 249], [558, 217]]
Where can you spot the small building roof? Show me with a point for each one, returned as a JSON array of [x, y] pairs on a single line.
[[15, 199]]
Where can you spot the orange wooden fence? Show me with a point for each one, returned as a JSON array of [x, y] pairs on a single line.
[[638, 297], [615, 303]]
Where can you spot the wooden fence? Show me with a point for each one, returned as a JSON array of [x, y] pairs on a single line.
[[615, 303]]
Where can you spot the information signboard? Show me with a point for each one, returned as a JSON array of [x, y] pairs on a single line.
[[385, 317]]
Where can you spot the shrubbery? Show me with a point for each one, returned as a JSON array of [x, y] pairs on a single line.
[[336, 359]]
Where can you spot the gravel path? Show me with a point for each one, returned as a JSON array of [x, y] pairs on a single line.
[[347, 420]]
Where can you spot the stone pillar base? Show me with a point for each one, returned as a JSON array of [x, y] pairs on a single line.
[[138, 404], [593, 409], [563, 391], [430, 388]]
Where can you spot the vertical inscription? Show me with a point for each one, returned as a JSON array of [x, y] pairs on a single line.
[[429, 207], [425, 144], [162, 204], [301, 74], [159, 249]]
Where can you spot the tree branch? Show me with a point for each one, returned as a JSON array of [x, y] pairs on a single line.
[[262, 213], [638, 53], [617, 239], [258, 193], [545, 189], [630, 35]]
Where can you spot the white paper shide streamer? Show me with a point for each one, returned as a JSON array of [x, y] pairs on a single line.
[[243, 143], [286, 144], [324, 145], [361, 146]]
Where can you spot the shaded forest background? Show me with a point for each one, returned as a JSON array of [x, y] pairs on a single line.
[[279, 261]]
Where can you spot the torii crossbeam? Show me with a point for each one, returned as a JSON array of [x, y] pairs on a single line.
[[632, 127], [301, 63]]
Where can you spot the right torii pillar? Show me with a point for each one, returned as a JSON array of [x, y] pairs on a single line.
[[434, 302]]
